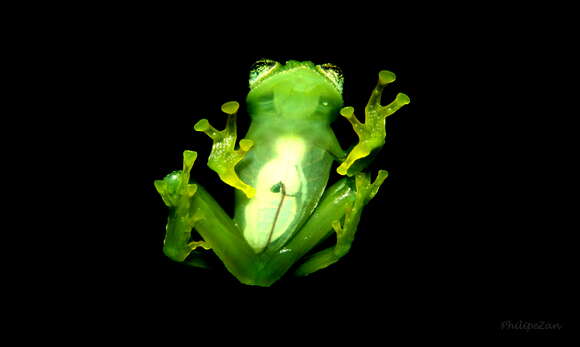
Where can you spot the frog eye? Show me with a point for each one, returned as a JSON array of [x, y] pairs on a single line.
[[261, 69], [333, 73]]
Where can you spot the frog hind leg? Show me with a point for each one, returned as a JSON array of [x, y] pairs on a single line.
[[177, 193], [192, 208], [372, 132], [223, 157], [345, 231]]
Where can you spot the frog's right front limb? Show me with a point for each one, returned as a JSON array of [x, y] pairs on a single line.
[[224, 157], [192, 207]]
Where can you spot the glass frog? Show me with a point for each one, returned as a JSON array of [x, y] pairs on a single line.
[[280, 171]]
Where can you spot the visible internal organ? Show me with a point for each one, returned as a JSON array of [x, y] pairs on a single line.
[[280, 183]]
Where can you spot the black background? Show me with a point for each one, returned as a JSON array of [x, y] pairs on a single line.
[[468, 231]]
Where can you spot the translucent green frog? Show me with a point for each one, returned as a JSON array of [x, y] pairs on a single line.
[[280, 172]]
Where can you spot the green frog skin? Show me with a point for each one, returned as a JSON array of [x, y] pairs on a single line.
[[280, 172]]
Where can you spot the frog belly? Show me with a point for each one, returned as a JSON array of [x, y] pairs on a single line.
[[280, 184]]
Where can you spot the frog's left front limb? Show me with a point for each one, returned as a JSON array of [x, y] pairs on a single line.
[[372, 132], [192, 207]]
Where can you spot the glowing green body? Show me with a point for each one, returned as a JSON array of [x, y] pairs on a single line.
[[281, 170], [293, 143]]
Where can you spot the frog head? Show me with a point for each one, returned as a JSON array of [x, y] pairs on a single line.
[[295, 90]]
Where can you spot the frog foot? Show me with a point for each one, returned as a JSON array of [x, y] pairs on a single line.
[[372, 132], [194, 244], [223, 157], [365, 191], [175, 189]]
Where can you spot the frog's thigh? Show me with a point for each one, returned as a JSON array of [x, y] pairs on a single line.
[[344, 221], [223, 236], [319, 226]]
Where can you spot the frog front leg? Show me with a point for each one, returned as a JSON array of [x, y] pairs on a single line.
[[372, 132], [191, 206], [223, 157]]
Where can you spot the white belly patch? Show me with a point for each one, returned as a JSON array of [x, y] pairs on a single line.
[[270, 213]]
